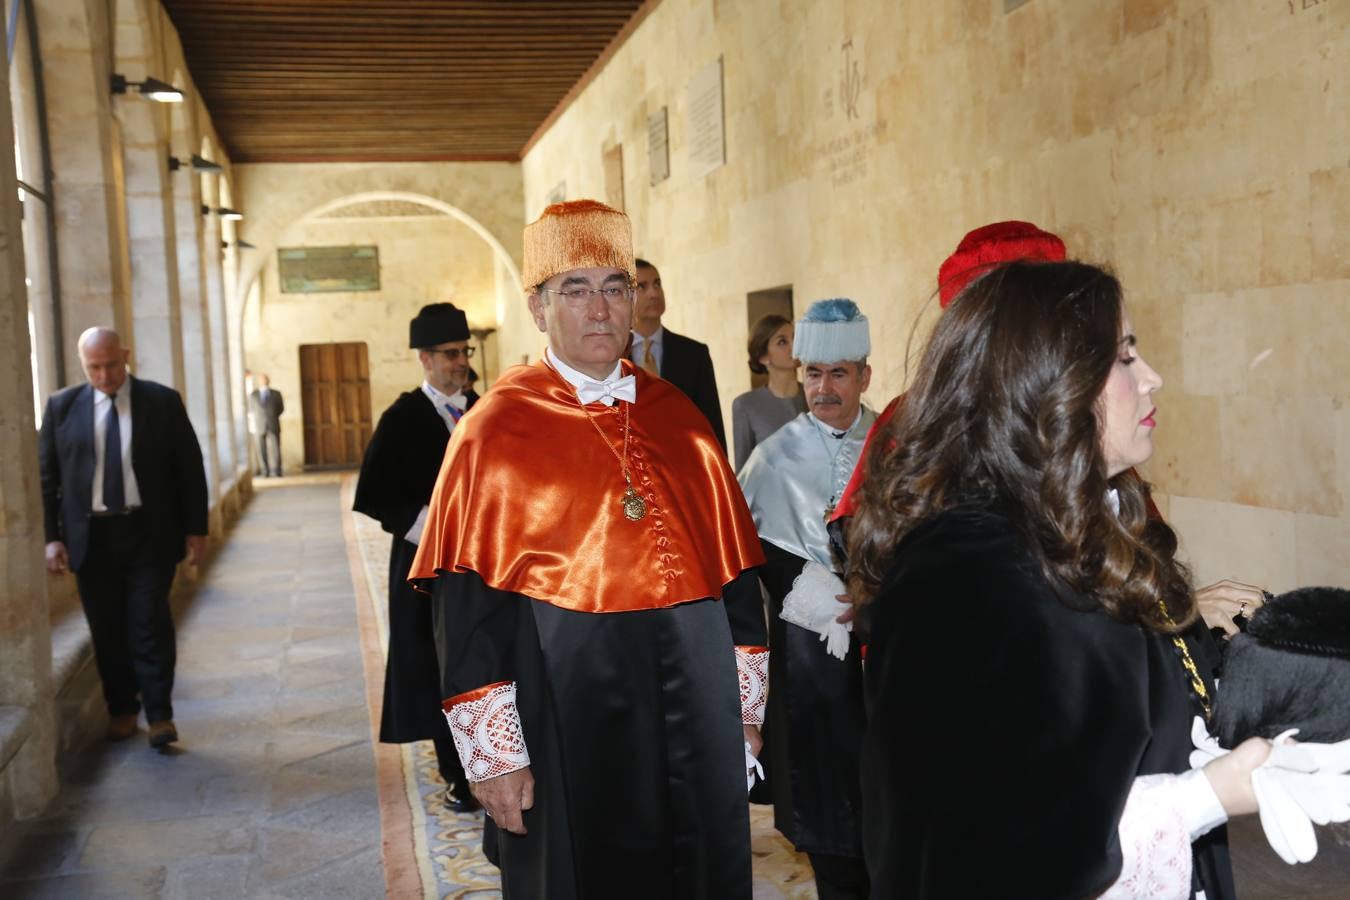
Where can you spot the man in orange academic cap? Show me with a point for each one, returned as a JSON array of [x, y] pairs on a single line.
[[583, 529]]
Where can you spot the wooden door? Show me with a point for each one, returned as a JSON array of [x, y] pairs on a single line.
[[335, 398]]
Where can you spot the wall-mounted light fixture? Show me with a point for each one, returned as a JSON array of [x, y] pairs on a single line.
[[230, 215], [150, 89], [239, 245], [198, 164]]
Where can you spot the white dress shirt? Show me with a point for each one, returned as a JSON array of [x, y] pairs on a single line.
[[577, 379], [657, 340], [101, 403], [440, 401]]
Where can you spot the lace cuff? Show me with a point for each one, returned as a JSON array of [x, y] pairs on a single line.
[[752, 668], [486, 728], [1154, 842]]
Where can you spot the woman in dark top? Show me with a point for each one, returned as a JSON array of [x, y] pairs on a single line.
[[759, 413], [1030, 704]]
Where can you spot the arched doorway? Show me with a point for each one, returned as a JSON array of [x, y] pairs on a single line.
[[427, 250]]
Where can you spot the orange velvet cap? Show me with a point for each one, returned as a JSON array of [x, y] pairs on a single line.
[[578, 234]]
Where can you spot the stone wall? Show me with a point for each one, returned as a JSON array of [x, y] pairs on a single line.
[[422, 260], [1197, 147]]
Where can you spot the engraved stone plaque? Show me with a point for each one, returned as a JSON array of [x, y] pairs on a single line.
[[707, 139]]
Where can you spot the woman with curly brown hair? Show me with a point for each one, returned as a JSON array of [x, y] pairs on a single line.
[[1028, 712]]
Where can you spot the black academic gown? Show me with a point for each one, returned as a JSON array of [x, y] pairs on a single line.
[[1007, 723], [813, 726], [632, 722], [397, 477]]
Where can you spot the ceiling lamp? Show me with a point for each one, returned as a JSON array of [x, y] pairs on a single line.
[[227, 214], [198, 164], [150, 88]]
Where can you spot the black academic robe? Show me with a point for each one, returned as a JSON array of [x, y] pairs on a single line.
[[397, 477], [1007, 723], [633, 726], [813, 726]]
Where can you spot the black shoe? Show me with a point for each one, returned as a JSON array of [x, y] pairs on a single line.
[[455, 803]]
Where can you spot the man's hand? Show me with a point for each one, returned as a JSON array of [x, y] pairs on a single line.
[[57, 560], [1222, 602], [196, 548], [754, 739], [506, 797]]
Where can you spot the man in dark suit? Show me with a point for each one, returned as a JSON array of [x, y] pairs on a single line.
[[123, 501], [266, 407], [682, 361], [398, 475]]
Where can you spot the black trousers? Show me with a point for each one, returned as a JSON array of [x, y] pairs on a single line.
[[124, 590], [839, 877], [269, 453]]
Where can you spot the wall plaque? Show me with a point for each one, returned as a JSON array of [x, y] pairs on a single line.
[[314, 270], [707, 142], [557, 195], [658, 146]]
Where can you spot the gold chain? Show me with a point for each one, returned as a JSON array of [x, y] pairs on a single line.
[[623, 460], [1197, 682]]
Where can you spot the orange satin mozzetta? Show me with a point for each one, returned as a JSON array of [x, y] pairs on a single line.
[[530, 499]]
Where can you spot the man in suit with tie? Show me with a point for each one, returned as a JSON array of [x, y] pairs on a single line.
[[682, 361], [266, 406], [124, 500]]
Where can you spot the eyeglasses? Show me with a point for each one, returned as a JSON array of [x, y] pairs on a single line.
[[454, 353], [579, 296]]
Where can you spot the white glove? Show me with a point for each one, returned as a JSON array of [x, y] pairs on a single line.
[[752, 768], [812, 603], [1297, 785]]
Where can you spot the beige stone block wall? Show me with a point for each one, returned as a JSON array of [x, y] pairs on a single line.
[[422, 260], [1197, 147]]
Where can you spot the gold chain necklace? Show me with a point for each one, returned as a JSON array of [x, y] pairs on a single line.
[[634, 507], [1197, 682]]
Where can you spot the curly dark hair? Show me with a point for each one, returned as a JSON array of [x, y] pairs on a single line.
[[760, 334], [1004, 409]]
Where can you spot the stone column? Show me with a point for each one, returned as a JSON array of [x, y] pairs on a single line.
[[27, 702], [73, 37], [157, 352], [195, 323]]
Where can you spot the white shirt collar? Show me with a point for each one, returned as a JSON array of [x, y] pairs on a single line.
[[440, 398], [830, 429], [654, 338], [572, 376]]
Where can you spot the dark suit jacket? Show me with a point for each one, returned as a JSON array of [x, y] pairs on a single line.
[[266, 416], [165, 456], [687, 364]]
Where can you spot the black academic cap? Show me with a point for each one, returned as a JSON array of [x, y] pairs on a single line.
[[437, 323]]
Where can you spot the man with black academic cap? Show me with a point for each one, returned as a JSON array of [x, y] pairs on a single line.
[[397, 478]]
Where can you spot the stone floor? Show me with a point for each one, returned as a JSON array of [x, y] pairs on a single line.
[[272, 791]]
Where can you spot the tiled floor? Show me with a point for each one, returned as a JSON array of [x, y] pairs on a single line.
[[271, 793]]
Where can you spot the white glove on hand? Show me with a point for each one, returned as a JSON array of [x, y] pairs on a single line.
[[1297, 785], [752, 768], [812, 604]]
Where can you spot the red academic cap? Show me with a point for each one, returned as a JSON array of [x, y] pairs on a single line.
[[993, 245]]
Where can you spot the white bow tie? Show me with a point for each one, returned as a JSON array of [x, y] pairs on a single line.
[[624, 388]]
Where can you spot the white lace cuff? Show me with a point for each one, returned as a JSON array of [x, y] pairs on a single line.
[[1155, 843], [752, 669], [487, 732]]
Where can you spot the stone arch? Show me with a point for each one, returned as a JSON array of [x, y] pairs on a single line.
[[269, 331], [253, 267]]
